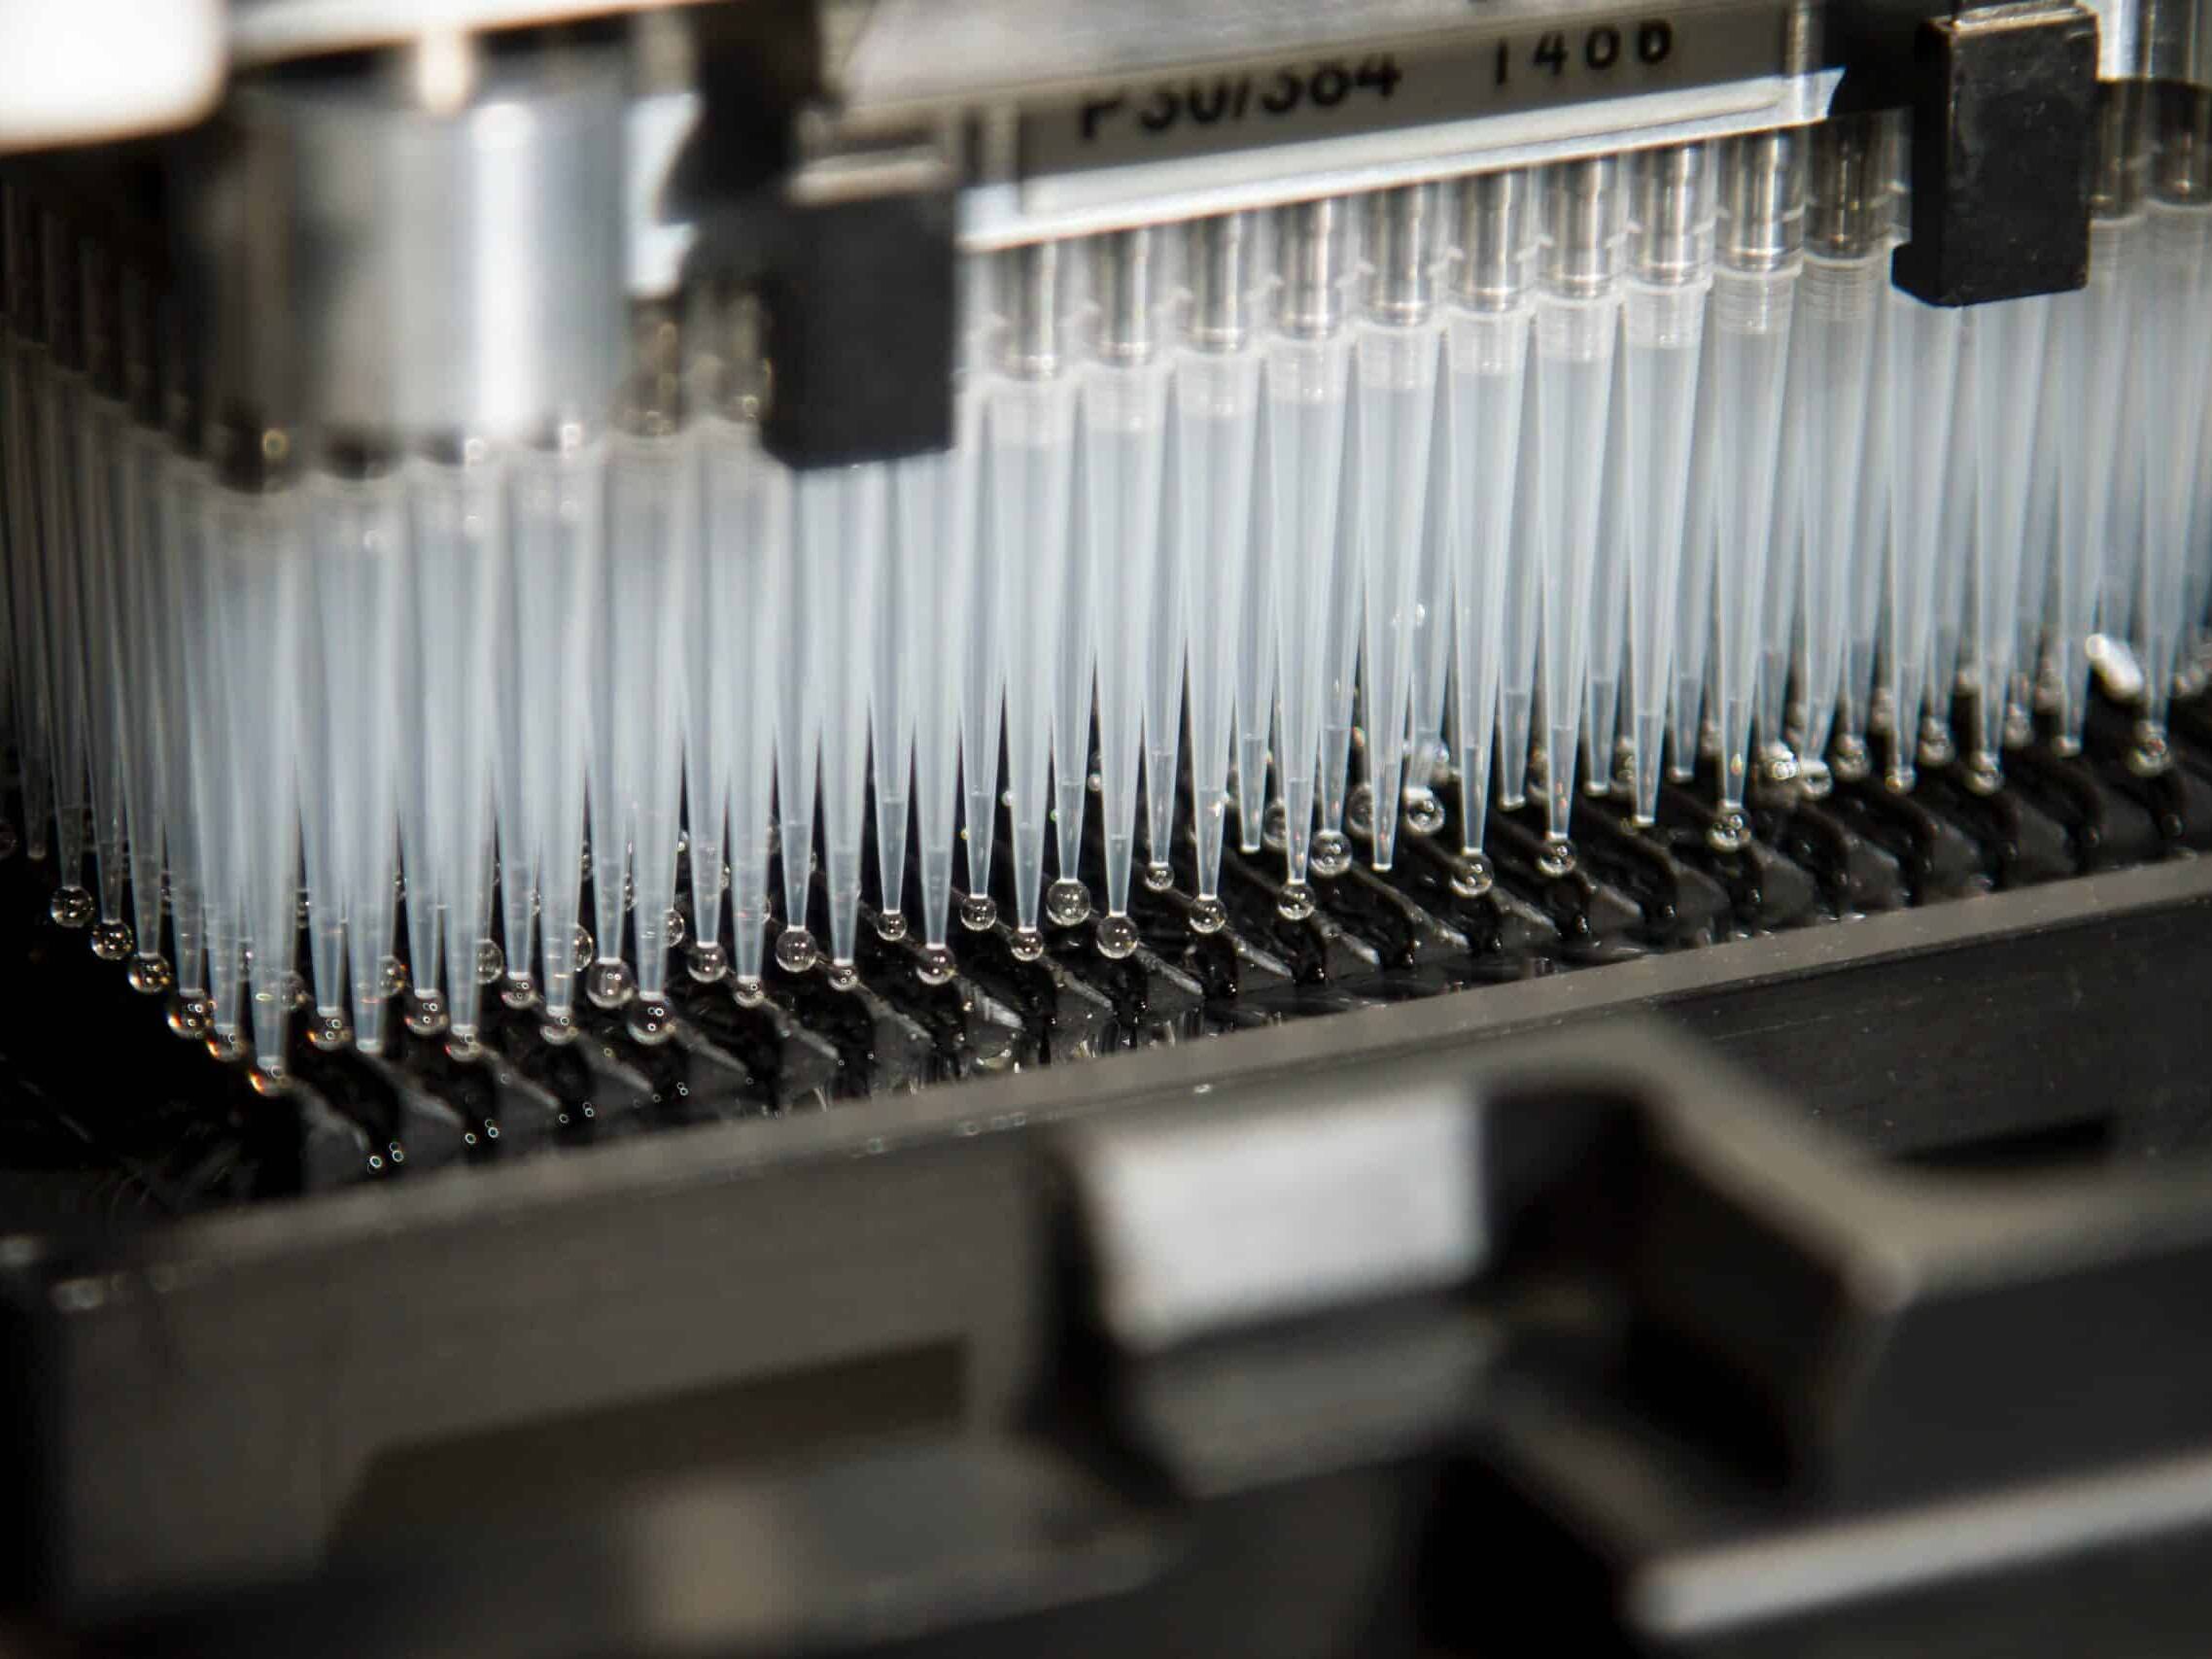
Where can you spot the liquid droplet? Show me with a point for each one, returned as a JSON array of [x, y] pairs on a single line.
[[842, 976], [1027, 944], [2149, 757], [890, 926], [112, 941], [979, 913], [795, 951], [1360, 810], [1331, 856], [559, 1029], [491, 961], [463, 1047], [226, 1045], [651, 1022], [1730, 831], [1067, 902], [393, 976], [425, 1014], [1983, 775], [330, 1032], [150, 975], [608, 984], [1423, 813], [1936, 746], [1159, 876], [582, 949], [71, 907], [1295, 902], [1472, 876], [269, 1078], [1275, 826], [1117, 936], [1557, 859], [1851, 760], [748, 992], [519, 993], [1208, 915], [190, 1017], [677, 928], [707, 964], [1816, 778]]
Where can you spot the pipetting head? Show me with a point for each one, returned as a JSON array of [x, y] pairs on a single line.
[[1762, 201], [1584, 228], [1671, 215], [1404, 246], [1316, 259], [1498, 235]]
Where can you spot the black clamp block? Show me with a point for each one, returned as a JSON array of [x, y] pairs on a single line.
[[2004, 113]]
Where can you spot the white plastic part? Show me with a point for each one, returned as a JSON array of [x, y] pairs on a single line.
[[358, 618], [1749, 327], [1395, 371], [457, 542], [558, 527], [1216, 432], [1125, 435], [1308, 384], [1031, 532], [1662, 332], [2008, 369], [1834, 327], [249, 610], [842, 516], [1923, 374], [1488, 355], [748, 563]]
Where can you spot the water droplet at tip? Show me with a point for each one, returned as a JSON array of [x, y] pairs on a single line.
[[71, 907], [979, 913], [1331, 856], [608, 984], [651, 1022], [890, 926], [1117, 936], [935, 967], [795, 951], [329, 1033], [1208, 915], [1027, 944], [1730, 830], [842, 976], [1159, 877], [1557, 859], [1472, 876], [706, 964], [1067, 902], [1295, 902], [150, 975]]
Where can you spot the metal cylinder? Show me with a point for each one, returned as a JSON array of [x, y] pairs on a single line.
[[1846, 212], [1313, 259], [1496, 236], [1584, 226], [2120, 164], [1403, 248], [1669, 215], [2181, 172], [1032, 309], [1224, 256], [370, 264], [1124, 267], [1762, 201]]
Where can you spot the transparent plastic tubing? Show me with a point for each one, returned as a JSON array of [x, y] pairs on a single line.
[[1308, 353], [2180, 251], [1760, 232], [934, 508], [1486, 341], [23, 362], [252, 553], [842, 517], [1397, 355], [1838, 298], [1215, 434], [1125, 382], [1028, 490], [749, 565], [1578, 326], [2008, 370], [457, 544], [1663, 327], [60, 388], [156, 716], [102, 511], [356, 614], [557, 526], [1924, 349]]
